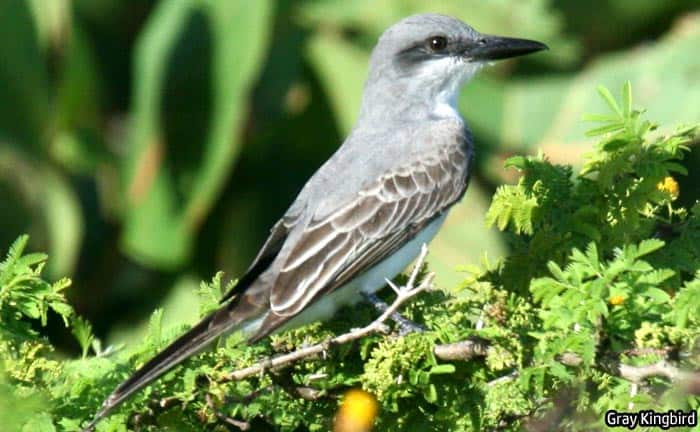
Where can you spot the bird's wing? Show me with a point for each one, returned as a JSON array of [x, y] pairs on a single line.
[[267, 254], [335, 248]]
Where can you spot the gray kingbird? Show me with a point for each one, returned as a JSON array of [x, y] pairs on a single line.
[[364, 215]]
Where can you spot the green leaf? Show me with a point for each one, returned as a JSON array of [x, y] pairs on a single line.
[[70, 425], [63, 309], [442, 369], [32, 258], [687, 303], [609, 99], [39, 423], [25, 107], [519, 162], [430, 393], [676, 167], [155, 329], [558, 370], [648, 246], [606, 129], [447, 248], [342, 68], [627, 99], [82, 330], [14, 254], [555, 126], [160, 225], [614, 144], [65, 223], [600, 118], [656, 294]]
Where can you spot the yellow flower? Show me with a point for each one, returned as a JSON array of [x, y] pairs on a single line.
[[670, 185], [357, 412], [617, 300]]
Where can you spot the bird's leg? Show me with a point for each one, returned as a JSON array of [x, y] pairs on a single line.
[[406, 326]]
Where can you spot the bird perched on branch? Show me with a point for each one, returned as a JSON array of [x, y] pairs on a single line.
[[364, 215]]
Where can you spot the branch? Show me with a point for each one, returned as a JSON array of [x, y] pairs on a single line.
[[403, 294], [463, 350], [637, 374], [477, 347], [661, 368]]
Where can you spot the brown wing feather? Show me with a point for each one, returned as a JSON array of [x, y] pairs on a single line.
[[267, 254], [382, 218]]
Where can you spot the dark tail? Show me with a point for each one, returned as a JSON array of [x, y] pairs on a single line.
[[185, 346]]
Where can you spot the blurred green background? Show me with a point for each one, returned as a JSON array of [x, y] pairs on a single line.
[[147, 144]]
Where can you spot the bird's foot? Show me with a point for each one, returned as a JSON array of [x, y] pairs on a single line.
[[405, 325]]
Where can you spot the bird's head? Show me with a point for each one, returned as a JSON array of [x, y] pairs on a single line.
[[426, 58]]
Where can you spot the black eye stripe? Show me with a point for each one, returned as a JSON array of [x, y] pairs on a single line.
[[422, 51]]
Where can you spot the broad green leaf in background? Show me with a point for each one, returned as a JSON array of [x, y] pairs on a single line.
[[77, 106], [28, 125], [63, 221], [603, 25], [160, 225], [663, 75], [240, 31], [343, 67], [19, 194], [77, 96], [42, 191], [24, 122], [52, 20]]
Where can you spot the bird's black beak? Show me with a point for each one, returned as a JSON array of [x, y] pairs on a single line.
[[489, 47]]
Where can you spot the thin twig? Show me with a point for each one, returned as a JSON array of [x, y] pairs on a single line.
[[505, 378], [154, 408], [377, 326], [286, 383], [242, 425]]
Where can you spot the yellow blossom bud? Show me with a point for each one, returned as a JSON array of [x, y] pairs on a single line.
[[670, 185], [617, 300], [357, 412]]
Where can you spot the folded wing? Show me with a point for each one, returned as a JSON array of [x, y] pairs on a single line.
[[384, 216]]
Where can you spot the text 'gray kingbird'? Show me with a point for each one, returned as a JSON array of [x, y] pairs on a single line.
[[364, 215]]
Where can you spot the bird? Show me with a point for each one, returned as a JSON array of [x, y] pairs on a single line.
[[364, 215]]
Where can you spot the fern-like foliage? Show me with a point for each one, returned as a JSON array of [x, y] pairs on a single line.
[[608, 261]]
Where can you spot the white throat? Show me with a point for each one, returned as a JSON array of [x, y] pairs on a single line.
[[446, 105], [445, 97]]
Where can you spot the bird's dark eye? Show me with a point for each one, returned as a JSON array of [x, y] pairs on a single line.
[[437, 43]]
